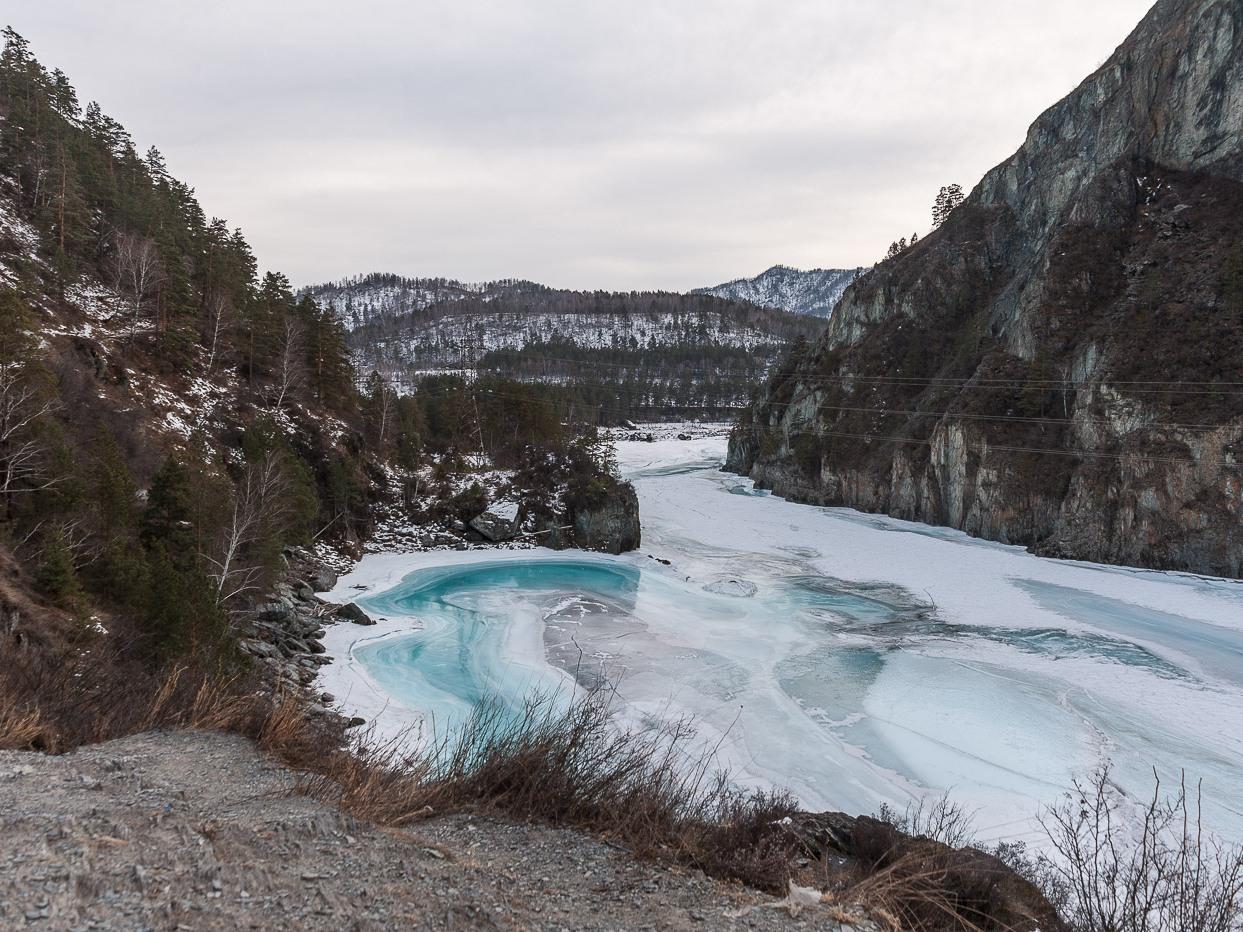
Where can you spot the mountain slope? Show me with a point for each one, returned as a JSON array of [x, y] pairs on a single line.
[[815, 292], [639, 354], [380, 296], [1058, 364]]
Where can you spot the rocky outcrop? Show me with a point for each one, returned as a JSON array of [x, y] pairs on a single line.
[[610, 525], [284, 632], [1056, 366], [605, 520], [978, 884]]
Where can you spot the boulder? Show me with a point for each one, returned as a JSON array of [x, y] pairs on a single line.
[[280, 610], [322, 580], [353, 614], [498, 523]]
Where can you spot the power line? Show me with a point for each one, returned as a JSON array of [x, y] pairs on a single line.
[[1142, 457], [959, 415], [620, 414], [1079, 454], [1151, 386]]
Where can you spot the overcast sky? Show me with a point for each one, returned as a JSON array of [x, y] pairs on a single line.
[[621, 144]]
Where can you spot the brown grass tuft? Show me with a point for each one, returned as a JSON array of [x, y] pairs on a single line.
[[571, 766]]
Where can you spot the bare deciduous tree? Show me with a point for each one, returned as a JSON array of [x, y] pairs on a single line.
[[219, 312], [138, 271], [388, 399], [260, 502], [291, 369], [23, 460]]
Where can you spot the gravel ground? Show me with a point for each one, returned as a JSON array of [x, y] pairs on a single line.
[[199, 831]]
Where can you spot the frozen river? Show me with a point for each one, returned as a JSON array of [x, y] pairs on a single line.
[[851, 658]]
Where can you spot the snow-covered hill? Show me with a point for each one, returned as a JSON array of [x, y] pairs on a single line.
[[433, 323], [814, 292], [363, 299]]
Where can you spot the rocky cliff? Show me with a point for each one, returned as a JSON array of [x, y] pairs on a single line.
[[1059, 364]]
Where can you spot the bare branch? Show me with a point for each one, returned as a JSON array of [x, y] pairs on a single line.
[[138, 272]]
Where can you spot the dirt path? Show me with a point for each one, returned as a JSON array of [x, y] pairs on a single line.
[[199, 831]]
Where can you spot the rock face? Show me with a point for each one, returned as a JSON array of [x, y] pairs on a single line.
[[612, 525], [1058, 365], [606, 521]]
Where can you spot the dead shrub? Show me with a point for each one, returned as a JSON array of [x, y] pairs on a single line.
[[1142, 867], [943, 820], [570, 765]]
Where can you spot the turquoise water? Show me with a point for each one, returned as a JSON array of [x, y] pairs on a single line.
[[473, 645], [1216, 650], [504, 630]]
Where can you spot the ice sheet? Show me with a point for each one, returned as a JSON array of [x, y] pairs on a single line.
[[852, 658]]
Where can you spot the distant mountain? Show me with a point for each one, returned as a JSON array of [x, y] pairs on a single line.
[[362, 299], [814, 292], [647, 353]]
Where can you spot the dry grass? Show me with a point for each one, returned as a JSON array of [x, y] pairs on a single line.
[[22, 727], [571, 766], [910, 894], [565, 766]]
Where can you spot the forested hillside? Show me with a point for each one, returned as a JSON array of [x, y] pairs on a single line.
[[171, 418], [380, 296], [623, 355]]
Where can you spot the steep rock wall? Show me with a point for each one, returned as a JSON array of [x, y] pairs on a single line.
[[1061, 364]]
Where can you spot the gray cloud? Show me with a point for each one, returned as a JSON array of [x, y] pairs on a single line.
[[655, 143]]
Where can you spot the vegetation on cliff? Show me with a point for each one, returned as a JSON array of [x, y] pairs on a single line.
[[171, 419]]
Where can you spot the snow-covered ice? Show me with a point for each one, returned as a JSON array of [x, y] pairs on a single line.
[[853, 658]]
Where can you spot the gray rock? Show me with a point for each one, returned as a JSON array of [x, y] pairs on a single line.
[[279, 610], [353, 614], [496, 524], [611, 525], [323, 580], [257, 648]]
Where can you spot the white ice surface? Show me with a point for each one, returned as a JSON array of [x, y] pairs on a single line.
[[1029, 671]]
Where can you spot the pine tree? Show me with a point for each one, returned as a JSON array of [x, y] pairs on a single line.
[[948, 198], [167, 520], [57, 577]]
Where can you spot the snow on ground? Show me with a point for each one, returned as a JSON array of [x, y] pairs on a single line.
[[854, 658]]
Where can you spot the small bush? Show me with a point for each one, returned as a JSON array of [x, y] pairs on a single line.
[[943, 820], [1151, 870]]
